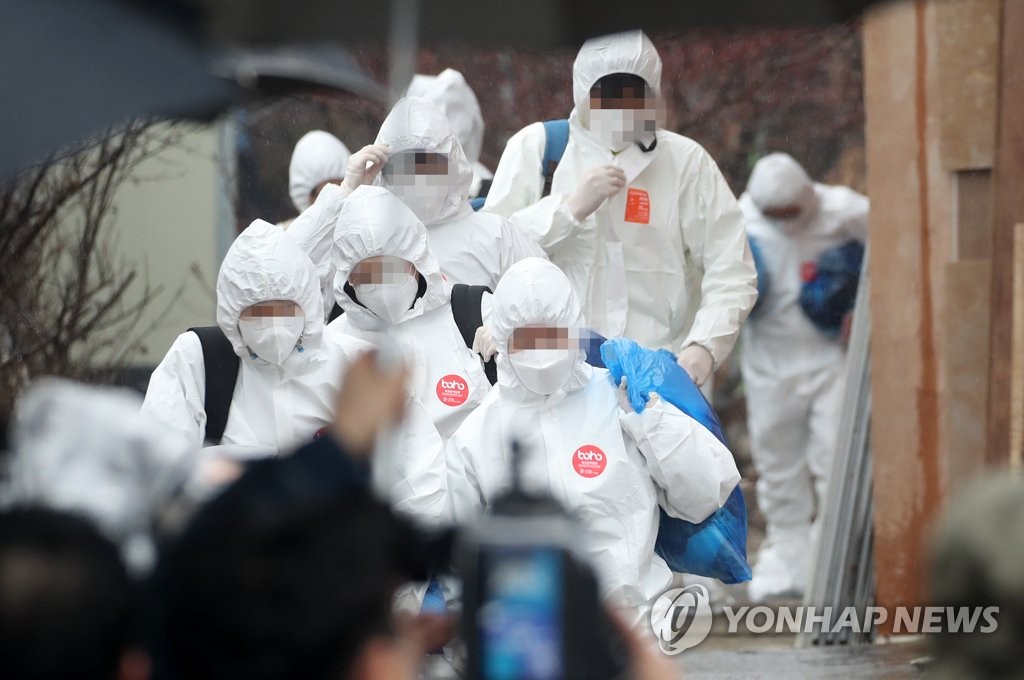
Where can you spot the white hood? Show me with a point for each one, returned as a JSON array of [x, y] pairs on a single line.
[[88, 449], [533, 292], [415, 123], [263, 264], [450, 92], [630, 52], [778, 181], [374, 222], [318, 157]]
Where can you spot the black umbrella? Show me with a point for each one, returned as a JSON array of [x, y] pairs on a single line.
[[74, 68]]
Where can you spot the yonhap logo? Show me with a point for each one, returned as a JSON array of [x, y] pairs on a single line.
[[681, 618]]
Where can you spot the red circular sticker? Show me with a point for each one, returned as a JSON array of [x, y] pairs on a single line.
[[452, 390], [589, 461]]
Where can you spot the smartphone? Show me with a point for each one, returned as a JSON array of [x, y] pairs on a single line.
[[520, 619]]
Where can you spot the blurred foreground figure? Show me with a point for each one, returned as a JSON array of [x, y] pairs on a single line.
[[450, 92], [87, 449], [262, 378], [290, 572], [65, 601], [793, 370], [976, 563], [583, 443], [319, 159], [639, 218]]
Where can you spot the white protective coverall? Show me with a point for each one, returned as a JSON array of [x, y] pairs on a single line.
[[472, 248], [313, 230], [609, 467], [447, 377], [793, 373], [318, 157], [665, 261], [275, 406], [450, 92]]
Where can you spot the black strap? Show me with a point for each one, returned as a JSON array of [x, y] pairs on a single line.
[[466, 311], [336, 311], [220, 364]]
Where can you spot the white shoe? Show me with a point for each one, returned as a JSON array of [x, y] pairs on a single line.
[[782, 565]]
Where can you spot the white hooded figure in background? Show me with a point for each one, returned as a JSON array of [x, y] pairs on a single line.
[[639, 218], [389, 284], [793, 373], [609, 466], [319, 159], [450, 92], [269, 308], [428, 170]]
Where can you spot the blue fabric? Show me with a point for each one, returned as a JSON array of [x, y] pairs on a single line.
[[433, 600], [556, 138], [764, 278], [717, 547], [590, 342], [477, 203], [831, 293]]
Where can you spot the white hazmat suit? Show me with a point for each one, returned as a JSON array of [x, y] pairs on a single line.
[[665, 260], [793, 373], [276, 406], [447, 377], [609, 467], [318, 157], [450, 92], [472, 248]]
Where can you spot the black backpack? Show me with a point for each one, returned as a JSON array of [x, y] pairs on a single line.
[[220, 364], [466, 312]]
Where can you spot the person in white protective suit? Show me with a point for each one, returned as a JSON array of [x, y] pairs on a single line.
[[793, 373], [389, 284], [582, 443], [639, 218], [319, 159], [427, 169], [450, 92]]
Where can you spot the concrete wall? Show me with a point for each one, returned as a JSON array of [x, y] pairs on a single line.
[[168, 222], [931, 96]]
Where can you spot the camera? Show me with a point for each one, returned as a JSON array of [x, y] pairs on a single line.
[[531, 608]]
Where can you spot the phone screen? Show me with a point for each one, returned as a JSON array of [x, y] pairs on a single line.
[[520, 620]]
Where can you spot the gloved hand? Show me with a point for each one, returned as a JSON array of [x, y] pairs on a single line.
[[623, 394], [483, 343], [357, 174], [697, 362], [597, 185]]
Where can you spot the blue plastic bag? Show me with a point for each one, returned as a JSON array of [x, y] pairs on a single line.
[[830, 293], [717, 547]]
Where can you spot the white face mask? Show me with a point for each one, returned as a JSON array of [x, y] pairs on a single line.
[[425, 195], [544, 371], [616, 129], [272, 338], [389, 301]]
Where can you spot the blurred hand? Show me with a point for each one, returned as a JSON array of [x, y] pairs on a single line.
[[357, 174], [370, 399], [647, 662], [597, 185], [698, 363], [483, 343]]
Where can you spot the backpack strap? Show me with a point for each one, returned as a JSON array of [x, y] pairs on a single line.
[[556, 138], [466, 311], [336, 311], [220, 364]]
